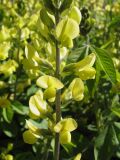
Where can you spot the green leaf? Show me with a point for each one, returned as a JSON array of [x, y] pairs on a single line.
[[107, 44], [49, 5], [66, 4], [106, 144], [75, 55], [9, 130], [116, 106], [8, 114], [46, 18], [106, 63], [20, 108], [24, 156], [115, 22]]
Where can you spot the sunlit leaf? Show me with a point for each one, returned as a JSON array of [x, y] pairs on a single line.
[[106, 63]]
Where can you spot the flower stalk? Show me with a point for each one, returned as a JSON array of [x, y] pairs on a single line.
[[58, 93]]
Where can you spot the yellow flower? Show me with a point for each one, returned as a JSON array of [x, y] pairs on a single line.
[[4, 48], [84, 70], [50, 84], [64, 127], [8, 67], [31, 135], [66, 30], [78, 157]]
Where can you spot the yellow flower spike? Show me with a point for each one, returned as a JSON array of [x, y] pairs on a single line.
[[65, 137], [75, 14], [29, 138], [50, 94], [33, 128], [78, 157], [87, 73], [49, 81], [88, 61], [37, 106], [77, 89]]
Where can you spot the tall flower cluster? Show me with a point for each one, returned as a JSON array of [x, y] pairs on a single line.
[[40, 61]]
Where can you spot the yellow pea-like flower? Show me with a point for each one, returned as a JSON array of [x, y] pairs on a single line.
[[78, 157], [75, 14], [47, 81], [35, 130], [67, 124], [50, 94], [88, 61], [87, 73], [29, 138], [33, 115], [66, 30], [37, 106], [9, 157], [8, 67], [74, 91], [51, 84], [77, 89], [4, 48], [64, 127], [65, 137]]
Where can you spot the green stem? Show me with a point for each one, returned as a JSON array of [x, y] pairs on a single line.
[[58, 94]]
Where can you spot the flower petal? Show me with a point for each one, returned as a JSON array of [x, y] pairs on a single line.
[[65, 137], [29, 138]]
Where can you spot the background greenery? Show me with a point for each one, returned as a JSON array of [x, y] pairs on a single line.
[[98, 114]]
